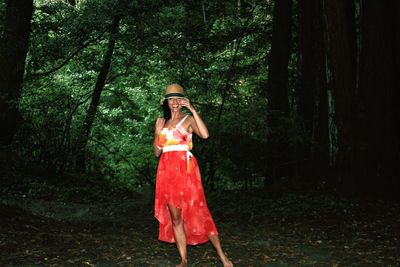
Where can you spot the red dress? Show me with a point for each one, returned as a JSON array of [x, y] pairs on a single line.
[[179, 183]]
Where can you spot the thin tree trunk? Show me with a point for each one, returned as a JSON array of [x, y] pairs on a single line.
[[91, 113], [65, 146], [340, 22], [203, 9], [13, 50]]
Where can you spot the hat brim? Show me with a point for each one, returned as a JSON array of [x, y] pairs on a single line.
[[175, 95]]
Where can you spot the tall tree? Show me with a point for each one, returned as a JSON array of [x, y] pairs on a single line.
[[379, 112], [277, 87], [95, 100], [312, 90], [342, 49], [13, 51], [279, 57]]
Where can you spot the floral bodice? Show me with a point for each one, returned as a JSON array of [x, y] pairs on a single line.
[[175, 136]]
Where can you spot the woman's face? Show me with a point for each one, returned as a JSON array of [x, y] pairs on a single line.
[[174, 104]]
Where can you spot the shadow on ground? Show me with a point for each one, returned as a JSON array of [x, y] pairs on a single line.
[[118, 229]]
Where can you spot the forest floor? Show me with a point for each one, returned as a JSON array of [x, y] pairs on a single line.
[[91, 223]]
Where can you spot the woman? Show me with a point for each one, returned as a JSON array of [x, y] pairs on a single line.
[[180, 204]]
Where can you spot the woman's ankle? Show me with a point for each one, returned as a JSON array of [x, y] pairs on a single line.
[[184, 263]]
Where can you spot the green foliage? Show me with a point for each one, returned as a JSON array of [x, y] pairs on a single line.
[[217, 51]]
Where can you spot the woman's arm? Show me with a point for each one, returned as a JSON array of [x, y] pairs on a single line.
[[196, 123], [158, 128]]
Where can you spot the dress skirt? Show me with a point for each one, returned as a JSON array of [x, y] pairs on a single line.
[[178, 183]]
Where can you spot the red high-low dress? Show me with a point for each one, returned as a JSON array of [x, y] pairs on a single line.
[[179, 183]]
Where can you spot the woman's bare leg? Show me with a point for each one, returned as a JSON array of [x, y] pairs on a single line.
[[179, 233], [217, 245]]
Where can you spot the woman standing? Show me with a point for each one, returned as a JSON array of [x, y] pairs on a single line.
[[180, 204]]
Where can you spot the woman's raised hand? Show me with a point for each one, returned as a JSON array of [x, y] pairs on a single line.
[[184, 102], [159, 125]]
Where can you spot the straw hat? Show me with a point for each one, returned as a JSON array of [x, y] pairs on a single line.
[[174, 90]]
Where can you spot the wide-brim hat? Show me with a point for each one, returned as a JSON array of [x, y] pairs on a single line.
[[174, 91]]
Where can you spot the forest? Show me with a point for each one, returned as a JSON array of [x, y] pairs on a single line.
[[299, 97]]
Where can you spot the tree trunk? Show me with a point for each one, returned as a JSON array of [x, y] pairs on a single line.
[[13, 50], [279, 57], [277, 89], [340, 22], [379, 112], [312, 92], [91, 113]]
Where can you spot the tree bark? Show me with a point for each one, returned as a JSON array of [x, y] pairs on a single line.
[[277, 89], [312, 92], [279, 57], [13, 51], [340, 23], [91, 113], [379, 111]]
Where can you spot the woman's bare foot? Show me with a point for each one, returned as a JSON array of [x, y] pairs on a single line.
[[226, 262], [183, 264]]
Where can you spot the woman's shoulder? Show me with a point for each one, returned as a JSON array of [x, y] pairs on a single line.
[[186, 122], [189, 118]]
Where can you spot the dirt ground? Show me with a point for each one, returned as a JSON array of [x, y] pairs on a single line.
[[256, 229]]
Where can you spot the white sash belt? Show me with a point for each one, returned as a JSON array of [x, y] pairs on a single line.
[[175, 148]]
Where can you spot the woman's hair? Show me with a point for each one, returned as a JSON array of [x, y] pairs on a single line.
[[167, 111]]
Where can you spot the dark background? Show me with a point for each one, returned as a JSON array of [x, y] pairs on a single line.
[[300, 98]]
